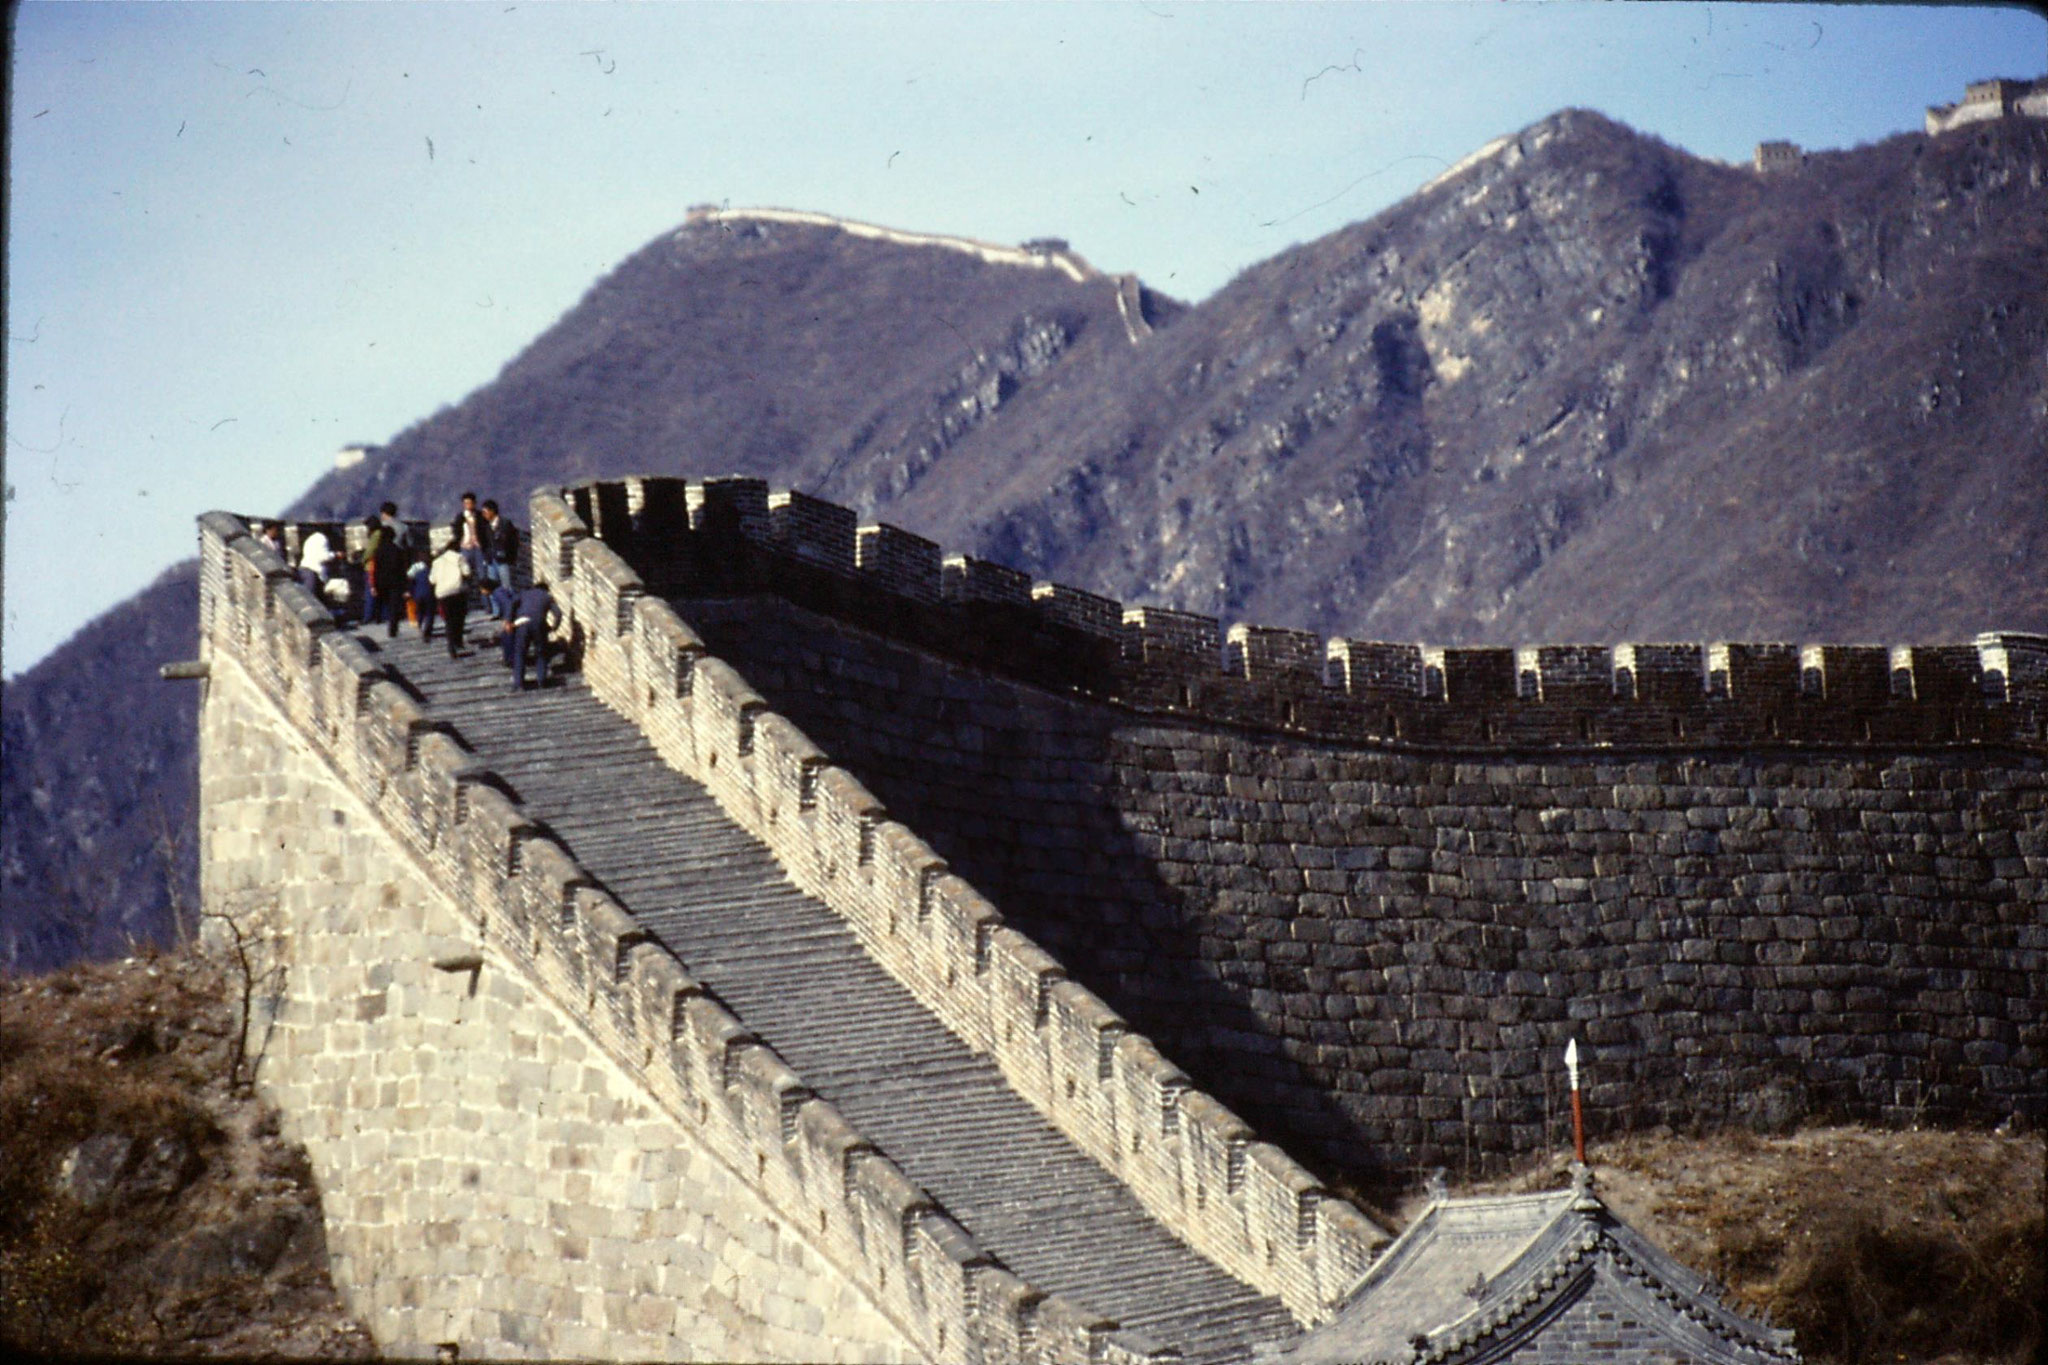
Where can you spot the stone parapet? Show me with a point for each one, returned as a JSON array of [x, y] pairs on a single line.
[[1637, 696], [1194, 1165]]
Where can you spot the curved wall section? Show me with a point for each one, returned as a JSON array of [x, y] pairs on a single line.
[[375, 858], [1376, 947]]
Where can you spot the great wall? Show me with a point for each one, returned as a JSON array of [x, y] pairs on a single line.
[[1048, 254], [1992, 99], [1361, 893]]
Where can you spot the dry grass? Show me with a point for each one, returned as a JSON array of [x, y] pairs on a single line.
[[1916, 1248], [202, 1234]]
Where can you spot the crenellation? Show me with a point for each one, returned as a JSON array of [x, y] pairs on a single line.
[[843, 814], [551, 541], [791, 762], [1001, 1304], [1899, 668], [2023, 661], [811, 528], [941, 1256], [1617, 836], [611, 514], [965, 579], [609, 934], [732, 505], [1062, 1331], [1170, 644], [1481, 680], [760, 1087], [1083, 611], [660, 508], [1271, 655], [1372, 671], [1686, 694], [1435, 681]]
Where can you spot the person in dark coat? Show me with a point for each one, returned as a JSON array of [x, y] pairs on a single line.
[[387, 561], [533, 615], [502, 546]]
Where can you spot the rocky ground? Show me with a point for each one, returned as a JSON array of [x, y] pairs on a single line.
[[148, 1204]]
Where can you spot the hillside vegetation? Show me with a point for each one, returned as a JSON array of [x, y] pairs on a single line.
[[1926, 1247]]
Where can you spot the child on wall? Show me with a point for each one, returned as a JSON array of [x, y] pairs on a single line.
[[419, 597]]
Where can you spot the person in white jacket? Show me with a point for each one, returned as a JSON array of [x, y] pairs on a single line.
[[449, 577], [316, 562]]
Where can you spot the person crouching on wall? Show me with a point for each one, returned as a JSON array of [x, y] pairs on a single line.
[[533, 615]]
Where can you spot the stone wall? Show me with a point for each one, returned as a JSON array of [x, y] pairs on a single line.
[[489, 1176], [1377, 948], [462, 1003], [1993, 99], [1067, 262]]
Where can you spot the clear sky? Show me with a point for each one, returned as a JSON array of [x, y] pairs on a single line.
[[241, 236]]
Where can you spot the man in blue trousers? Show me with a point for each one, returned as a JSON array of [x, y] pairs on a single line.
[[527, 624]]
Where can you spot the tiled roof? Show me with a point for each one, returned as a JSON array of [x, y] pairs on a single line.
[[1473, 1279]]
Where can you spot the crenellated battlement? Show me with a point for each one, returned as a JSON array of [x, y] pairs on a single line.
[[535, 908], [1361, 890], [733, 536], [1986, 100]]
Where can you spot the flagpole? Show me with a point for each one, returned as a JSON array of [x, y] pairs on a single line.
[[1571, 1066]]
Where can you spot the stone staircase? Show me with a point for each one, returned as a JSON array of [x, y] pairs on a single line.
[[794, 972]]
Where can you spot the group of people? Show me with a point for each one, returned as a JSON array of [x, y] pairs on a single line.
[[398, 574]]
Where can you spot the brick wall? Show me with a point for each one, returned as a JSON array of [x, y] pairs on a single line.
[[1189, 1160], [1376, 946], [1380, 954]]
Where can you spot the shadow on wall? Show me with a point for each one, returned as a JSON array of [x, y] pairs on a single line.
[[1369, 946], [1014, 788]]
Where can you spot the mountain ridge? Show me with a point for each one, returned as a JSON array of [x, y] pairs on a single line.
[[1582, 386]]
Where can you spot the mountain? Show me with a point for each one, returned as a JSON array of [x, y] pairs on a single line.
[[1582, 386], [793, 350], [98, 784], [1585, 386], [786, 349]]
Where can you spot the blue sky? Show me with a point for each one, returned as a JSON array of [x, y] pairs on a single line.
[[241, 236]]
